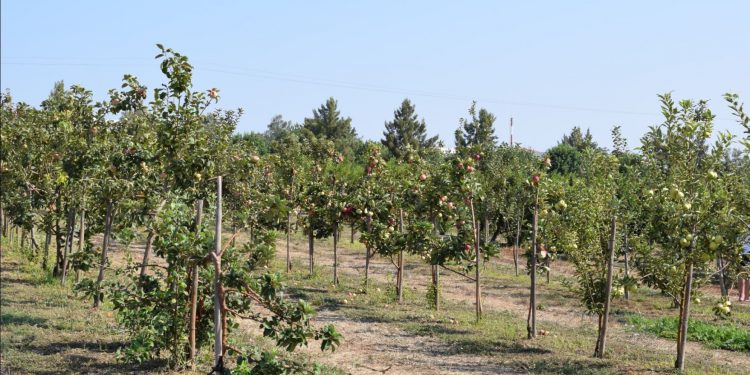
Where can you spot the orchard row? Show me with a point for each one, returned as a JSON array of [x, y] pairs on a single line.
[[135, 163]]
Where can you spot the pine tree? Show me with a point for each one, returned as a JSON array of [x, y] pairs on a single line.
[[478, 131], [279, 128], [328, 123], [578, 140], [406, 133]]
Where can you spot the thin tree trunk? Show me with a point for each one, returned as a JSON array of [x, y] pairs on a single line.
[[47, 242], [515, 246], [335, 253], [598, 333], [627, 261], [486, 226], [684, 317], [436, 285], [367, 258], [288, 241], [194, 288], [58, 249], [103, 261], [400, 270], [351, 238], [478, 291], [147, 251], [218, 290], [68, 243], [311, 249], [81, 238], [599, 352], [367, 266], [289, 224], [722, 281], [531, 322], [34, 245], [152, 236], [23, 238]]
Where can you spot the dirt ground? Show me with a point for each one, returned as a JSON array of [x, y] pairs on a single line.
[[364, 352]]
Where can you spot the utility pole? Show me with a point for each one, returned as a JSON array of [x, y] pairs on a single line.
[[511, 132]]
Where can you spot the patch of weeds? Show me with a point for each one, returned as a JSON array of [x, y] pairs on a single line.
[[712, 335]]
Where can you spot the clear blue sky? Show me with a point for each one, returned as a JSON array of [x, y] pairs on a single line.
[[551, 65]]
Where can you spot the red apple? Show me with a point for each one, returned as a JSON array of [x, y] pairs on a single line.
[[422, 177], [213, 93]]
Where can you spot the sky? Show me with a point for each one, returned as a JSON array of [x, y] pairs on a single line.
[[550, 65]]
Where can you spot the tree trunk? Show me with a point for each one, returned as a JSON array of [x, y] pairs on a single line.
[[288, 241], [34, 245], [351, 238], [194, 288], [103, 260], [311, 249], [81, 239], [335, 253], [486, 226], [147, 251], [218, 290], [601, 348], [367, 258], [478, 253], [436, 285], [722, 280], [400, 270], [627, 261], [68, 243], [152, 236], [58, 249], [531, 321], [47, 242], [684, 316], [515, 246]]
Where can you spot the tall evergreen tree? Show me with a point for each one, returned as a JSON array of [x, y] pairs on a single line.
[[406, 133], [279, 128], [477, 131], [328, 123], [568, 153], [578, 140]]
